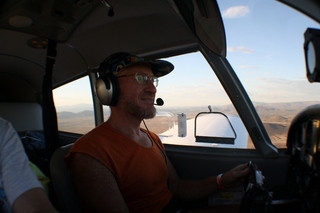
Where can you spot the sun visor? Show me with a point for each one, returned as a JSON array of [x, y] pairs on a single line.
[[204, 18]]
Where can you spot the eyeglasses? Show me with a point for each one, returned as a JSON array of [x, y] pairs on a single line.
[[142, 78]]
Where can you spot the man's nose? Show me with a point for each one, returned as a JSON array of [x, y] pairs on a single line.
[[150, 86]]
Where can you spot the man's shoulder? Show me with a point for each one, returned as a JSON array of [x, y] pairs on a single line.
[[103, 132], [101, 129]]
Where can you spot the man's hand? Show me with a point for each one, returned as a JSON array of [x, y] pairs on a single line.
[[236, 176]]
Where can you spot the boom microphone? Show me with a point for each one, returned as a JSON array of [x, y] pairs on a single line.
[[159, 101]]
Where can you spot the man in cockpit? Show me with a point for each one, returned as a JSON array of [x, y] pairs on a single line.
[[120, 167]]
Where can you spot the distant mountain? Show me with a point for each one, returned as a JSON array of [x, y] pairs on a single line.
[[277, 118], [86, 113], [283, 109], [269, 112], [287, 105], [74, 108], [81, 114], [275, 129]]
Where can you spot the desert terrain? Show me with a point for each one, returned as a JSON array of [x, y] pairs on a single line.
[[276, 118]]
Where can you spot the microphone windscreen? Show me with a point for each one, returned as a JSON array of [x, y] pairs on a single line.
[[159, 101]]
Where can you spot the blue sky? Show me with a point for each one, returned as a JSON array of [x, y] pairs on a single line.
[[270, 61], [264, 46]]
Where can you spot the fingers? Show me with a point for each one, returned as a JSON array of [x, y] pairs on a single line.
[[241, 170], [236, 176], [240, 167], [244, 172]]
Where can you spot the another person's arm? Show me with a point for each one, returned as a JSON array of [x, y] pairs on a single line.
[[21, 186], [33, 201]]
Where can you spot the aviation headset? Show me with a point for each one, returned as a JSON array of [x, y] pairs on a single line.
[[107, 87]]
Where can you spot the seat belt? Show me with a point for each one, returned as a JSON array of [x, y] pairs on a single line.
[[50, 124]]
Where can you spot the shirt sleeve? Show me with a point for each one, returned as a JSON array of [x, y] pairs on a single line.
[[16, 175]]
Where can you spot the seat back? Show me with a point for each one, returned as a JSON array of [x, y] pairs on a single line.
[[23, 115], [63, 186]]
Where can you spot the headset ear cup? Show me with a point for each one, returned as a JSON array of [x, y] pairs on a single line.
[[107, 90]]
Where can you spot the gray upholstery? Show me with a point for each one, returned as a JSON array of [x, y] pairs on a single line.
[[62, 184], [23, 115]]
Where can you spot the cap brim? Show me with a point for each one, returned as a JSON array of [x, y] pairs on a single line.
[[160, 67]]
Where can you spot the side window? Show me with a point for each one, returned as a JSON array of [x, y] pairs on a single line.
[[74, 106], [190, 89], [266, 51]]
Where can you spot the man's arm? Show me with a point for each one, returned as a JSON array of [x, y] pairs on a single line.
[[189, 190], [33, 201], [96, 185]]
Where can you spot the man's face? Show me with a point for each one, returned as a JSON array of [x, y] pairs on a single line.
[[137, 99]]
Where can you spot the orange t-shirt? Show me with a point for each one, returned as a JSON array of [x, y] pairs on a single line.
[[141, 172]]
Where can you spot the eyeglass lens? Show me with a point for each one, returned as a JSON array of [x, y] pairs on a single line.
[[143, 78]]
